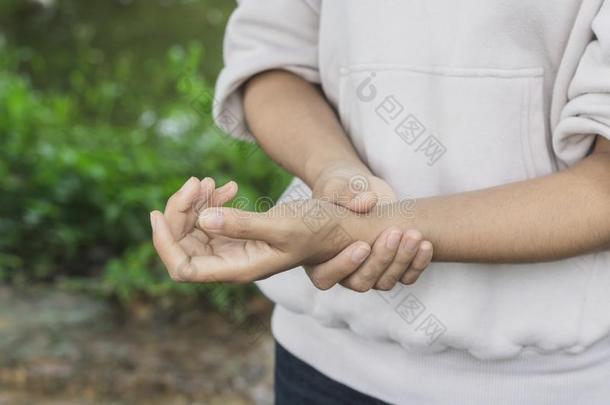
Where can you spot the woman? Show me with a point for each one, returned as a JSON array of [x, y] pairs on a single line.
[[495, 116]]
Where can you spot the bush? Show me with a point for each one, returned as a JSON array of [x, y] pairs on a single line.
[[81, 168]]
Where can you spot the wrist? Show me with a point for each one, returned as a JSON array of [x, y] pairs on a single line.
[[325, 235], [368, 226], [360, 226]]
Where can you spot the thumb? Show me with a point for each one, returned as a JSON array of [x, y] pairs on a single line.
[[362, 202], [236, 223]]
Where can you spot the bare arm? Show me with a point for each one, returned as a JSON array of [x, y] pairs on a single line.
[[562, 215], [295, 125], [543, 219], [549, 218]]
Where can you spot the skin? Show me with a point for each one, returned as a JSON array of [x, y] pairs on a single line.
[[313, 146], [238, 253], [395, 255], [549, 218]]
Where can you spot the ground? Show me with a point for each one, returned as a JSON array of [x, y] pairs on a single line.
[[58, 347]]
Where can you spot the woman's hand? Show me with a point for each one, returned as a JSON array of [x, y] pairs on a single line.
[[395, 255], [200, 242], [192, 255], [320, 153], [304, 232]]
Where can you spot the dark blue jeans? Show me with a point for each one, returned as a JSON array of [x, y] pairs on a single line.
[[297, 383]]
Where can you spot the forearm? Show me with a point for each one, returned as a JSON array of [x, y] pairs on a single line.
[[295, 125], [543, 219]]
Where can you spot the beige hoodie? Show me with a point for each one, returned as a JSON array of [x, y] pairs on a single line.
[[439, 97]]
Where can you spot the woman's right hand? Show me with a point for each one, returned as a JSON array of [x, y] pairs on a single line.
[[395, 256]]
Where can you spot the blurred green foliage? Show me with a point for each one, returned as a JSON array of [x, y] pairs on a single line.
[[90, 147]]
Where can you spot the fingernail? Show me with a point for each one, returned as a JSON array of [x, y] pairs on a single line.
[[393, 239], [426, 245], [153, 221], [359, 254], [212, 219], [411, 244]]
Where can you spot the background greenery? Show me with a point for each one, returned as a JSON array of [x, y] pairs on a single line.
[[104, 112]]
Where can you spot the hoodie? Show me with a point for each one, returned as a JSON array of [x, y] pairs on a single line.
[[441, 97]]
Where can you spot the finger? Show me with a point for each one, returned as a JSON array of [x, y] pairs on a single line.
[[200, 269], [422, 260], [223, 194], [404, 256], [183, 267], [362, 202], [217, 269], [382, 255], [341, 191], [177, 262], [217, 197], [178, 211], [235, 223], [327, 274], [207, 186]]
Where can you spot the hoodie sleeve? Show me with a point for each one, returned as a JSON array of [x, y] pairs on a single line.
[[263, 35], [587, 111]]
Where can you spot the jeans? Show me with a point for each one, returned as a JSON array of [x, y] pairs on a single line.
[[297, 383]]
